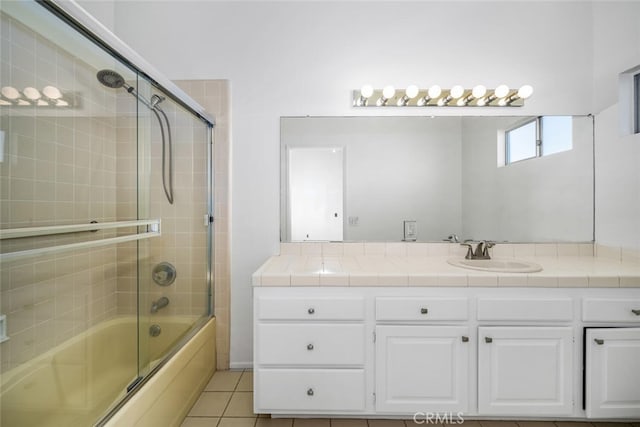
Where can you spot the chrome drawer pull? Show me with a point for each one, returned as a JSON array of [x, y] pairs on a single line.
[[311, 310], [424, 310], [599, 341], [636, 311], [309, 346], [310, 392], [488, 340], [465, 339]]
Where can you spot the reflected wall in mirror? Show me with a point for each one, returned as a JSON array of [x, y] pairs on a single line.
[[363, 177]]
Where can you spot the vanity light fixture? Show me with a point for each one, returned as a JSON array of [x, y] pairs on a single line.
[[413, 96], [50, 96]]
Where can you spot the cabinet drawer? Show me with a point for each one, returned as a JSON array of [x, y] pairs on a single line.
[[292, 308], [297, 390], [610, 310], [425, 309], [310, 344], [543, 309]]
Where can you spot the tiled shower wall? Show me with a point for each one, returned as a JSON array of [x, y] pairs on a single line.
[[214, 96], [57, 167], [184, 236]]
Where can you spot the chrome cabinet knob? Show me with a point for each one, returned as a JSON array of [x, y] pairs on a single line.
[[465, 339], [636, 311], [309, 346], [310, 392], [488, 340], [424, 310], [311, 310]]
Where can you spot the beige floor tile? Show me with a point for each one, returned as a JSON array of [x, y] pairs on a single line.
[[246, 381], [274, 422], [311, 422], [210, 404], [224, 381], [386, 423], [337, 422], [237, 422], [200, 422], [241, 405]]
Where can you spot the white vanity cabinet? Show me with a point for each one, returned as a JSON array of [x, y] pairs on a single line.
[[612, 357], [309, 354], [612, 372], [525, 371], [422, 368], [483, 352]]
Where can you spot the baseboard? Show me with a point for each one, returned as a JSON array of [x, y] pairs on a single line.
[[240, 365]]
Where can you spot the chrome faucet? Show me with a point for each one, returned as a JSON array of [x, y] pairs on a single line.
[[481, 250], [162, 302]]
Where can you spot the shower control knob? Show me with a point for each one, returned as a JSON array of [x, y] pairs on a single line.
[[310, 392], [311, 310]]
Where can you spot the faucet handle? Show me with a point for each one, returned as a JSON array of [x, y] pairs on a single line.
[[469, 246], [488, 244]]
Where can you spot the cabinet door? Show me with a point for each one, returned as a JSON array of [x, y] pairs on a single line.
[[525, 371], [613, 372], [422, 368]]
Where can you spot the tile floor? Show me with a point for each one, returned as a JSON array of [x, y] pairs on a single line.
[[227, 401]]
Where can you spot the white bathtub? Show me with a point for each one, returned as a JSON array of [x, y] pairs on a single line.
[[75, 383]]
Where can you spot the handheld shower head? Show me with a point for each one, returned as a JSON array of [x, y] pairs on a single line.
[[111, 79]]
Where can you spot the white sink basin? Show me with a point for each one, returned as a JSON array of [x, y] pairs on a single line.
[[504, 265]]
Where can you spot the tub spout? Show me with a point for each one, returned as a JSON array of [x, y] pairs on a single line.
[[160, 303]]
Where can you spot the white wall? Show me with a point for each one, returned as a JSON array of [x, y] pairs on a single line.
[[299, 58]]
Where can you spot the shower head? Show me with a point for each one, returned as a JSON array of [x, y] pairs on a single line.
[[111, 79]]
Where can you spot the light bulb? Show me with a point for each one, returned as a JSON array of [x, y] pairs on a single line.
[[434, 91], [457, 91], [501, 91], [525, 91], [388, 92], [62, 103], [42, 103], [52, 92], [31, 93], [481, 102], [4, 103], [479, 91], [461, 102], [441, 102], [23, 102], [366, 91], [10, 92], [412, 91], [502, 102]]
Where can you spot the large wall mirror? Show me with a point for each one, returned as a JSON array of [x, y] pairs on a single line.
[[517, 179]]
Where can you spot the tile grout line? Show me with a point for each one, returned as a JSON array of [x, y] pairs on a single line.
[[233, 392]]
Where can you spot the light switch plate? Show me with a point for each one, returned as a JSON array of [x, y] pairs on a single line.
[[410, 231]]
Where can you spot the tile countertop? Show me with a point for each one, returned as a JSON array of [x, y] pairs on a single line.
[[433, 270]]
